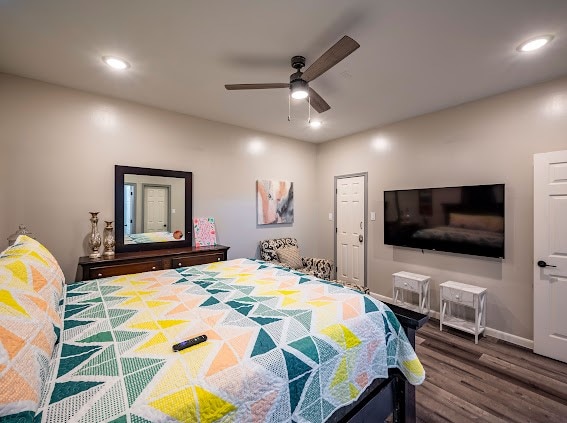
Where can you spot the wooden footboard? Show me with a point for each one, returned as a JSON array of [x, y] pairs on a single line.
[[395, 395]]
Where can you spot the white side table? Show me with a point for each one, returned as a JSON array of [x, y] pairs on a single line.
[[468, 296], [406, 281]]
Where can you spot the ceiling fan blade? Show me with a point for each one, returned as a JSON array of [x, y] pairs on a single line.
[[330, 58], [256, 86], [317, 101]]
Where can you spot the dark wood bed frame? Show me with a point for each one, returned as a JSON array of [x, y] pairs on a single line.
[[392, 396]]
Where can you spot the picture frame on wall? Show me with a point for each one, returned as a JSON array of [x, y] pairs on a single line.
[[274, 202]]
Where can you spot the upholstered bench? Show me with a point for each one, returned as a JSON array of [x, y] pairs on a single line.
[[288, 250]]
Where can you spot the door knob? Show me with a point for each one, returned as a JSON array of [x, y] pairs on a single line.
[[542, 263], [360, 238]]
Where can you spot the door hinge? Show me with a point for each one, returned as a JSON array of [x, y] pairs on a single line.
[[336, 230]]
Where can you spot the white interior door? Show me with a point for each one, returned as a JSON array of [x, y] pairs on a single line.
[[350, 229], [550, 254], [156, 209], [129, 209]]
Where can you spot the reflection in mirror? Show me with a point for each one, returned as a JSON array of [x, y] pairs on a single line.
[[152, 208]]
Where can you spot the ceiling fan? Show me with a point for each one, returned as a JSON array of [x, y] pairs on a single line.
[[299, 81]]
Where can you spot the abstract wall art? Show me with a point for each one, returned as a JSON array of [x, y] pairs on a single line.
[[275, 202]]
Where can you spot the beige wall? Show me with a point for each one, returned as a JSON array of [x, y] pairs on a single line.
[[61, 146], [484, 142]]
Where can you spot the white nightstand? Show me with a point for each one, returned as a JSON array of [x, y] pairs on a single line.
[[406, 281], [468, 296]]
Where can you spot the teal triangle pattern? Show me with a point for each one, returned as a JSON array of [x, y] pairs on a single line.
[[296, 389], [137, 419], [93, 300], [73, 355], [99, 337], [313, 392], [305, 319], [210, 301], [75, 294], [265, 320], [68, 389], [121, 419], [313, 413], [72, 309], [132, 365], [307, 347], [182, 280], [295, 367], [136, 383], [70, 324], [118, 317], [264, 343], [326, 352], [93, 312], [303, 280], [124, 335], [327, 408], [107, 290], [369, 306]]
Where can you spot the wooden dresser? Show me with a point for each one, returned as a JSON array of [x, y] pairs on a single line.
[[146, 261]]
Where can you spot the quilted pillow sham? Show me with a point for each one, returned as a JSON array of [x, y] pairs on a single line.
[[27, 340], [28, 265], [289, 256]]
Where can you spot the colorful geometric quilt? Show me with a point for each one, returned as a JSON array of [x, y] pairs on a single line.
[[281, 346]]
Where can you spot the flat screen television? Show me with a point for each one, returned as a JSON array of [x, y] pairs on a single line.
[[465, 220]]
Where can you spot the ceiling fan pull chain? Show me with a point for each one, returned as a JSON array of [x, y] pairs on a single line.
[[288, 108], [309, 110]]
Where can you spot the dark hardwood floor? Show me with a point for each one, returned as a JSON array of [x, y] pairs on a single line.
[[490, 382]]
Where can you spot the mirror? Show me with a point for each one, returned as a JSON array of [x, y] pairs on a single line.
[[152, 208]]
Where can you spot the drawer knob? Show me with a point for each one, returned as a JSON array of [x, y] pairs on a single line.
[[457, 296], [100, 275], [153, 268], [405, 284], [218, 259]]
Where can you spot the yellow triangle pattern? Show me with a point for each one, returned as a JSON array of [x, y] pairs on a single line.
[[180, 405], [211, 407], [155, 340], [18, 269], [341, 374], [353, 391], [8, 300], [342, 335]]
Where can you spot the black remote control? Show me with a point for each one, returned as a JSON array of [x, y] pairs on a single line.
[[189, 343]]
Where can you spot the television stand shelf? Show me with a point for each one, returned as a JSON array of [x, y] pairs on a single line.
[[466, 295]]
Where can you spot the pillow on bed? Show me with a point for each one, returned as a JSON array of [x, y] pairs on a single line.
[[489, 223], [28, 265], [290, 257], [27, 340]]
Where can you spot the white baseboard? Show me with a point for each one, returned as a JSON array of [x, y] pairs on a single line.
[[495, 333]]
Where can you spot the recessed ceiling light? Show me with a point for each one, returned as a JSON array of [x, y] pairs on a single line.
[[534, 43], [315, 124], [116, 62]]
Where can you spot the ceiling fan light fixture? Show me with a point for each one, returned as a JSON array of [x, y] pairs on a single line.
[[299, 89], [315, 124]]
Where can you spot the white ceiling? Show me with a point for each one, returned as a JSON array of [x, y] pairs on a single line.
[[416, 56]]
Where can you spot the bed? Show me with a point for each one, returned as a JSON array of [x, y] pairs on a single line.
[[282, 346]]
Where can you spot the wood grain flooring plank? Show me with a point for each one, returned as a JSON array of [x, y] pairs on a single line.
[[532, 410], [539, 381], [492, 381], [513, 354], [454, 414], [451, 400]]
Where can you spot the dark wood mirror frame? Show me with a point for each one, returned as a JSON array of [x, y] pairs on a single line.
[[119, 172]]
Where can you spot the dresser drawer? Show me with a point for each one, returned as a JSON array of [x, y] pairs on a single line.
[[458, 296], [194, 260], [123, 269], [405, 283]]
